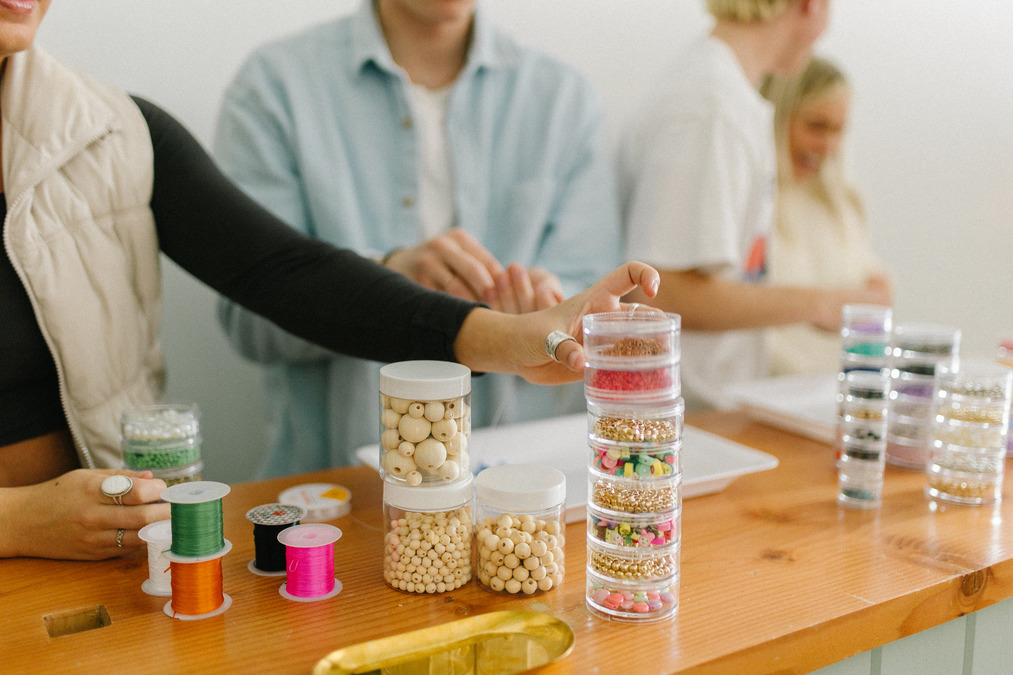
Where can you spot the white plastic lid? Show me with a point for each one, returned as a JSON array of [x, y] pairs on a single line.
[[520, 488], [195, 492], [425, 380], [440, 497], [322, 501], [159, 531]]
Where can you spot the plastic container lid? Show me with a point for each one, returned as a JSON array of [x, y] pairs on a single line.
[[426, 380], [425, 498], [322, 501], [520, 488], [927, 338]]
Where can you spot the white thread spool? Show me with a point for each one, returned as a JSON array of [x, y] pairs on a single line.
[[158, 536]]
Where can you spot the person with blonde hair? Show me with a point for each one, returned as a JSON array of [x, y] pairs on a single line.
[[821, 236], [698, 186]]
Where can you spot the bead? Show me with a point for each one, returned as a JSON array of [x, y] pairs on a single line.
[[434, 411], [414, 429], [444, 430], [406, 448], [399, 405], [430, 454], [414, 478]]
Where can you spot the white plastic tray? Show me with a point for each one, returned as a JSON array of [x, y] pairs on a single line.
[[709, 462], [802, 404]]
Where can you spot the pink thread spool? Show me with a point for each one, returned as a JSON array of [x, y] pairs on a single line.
[[309, 562]]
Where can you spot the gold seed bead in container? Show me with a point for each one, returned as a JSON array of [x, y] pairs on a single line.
[[970, 438], [632, 570], [863, 414], [962, 414], [634, 431], [628, 500], [967, 489], [975, 390]]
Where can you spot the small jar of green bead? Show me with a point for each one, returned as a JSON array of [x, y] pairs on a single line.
[[160, 437]]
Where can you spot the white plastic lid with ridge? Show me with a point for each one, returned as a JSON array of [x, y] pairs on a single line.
[[439, 497], [520, 488], [426, 380]]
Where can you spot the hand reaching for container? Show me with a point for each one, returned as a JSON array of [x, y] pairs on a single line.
[[493, 341], [70, 517], [519, 290]]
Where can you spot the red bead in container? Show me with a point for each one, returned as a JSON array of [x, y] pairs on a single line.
[[632, 356]]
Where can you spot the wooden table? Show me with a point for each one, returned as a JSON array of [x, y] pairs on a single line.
[[776, 577]]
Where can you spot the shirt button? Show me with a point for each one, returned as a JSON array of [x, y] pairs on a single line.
[[406, 122], [407, 202]]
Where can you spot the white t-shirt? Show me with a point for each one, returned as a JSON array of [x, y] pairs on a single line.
[[436, 174], [698, 176]]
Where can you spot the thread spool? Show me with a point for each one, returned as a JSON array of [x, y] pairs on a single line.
[[197, 549], [268, 521], [196, 516], [322, 501], [309, 562], [158, 536]]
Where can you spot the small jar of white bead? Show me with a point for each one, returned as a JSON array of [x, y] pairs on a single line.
[[428, 537], [520, 532], [425, 422]]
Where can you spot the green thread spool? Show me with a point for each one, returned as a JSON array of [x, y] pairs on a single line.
[[196, 517]]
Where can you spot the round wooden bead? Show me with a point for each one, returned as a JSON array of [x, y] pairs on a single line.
[[444, 430], [414, 429], [406, 448], [434, 411], [430, 453], [399, 405]]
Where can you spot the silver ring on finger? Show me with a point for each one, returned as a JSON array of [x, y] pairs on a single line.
[[553, 340], [117, 487], [119, 537]]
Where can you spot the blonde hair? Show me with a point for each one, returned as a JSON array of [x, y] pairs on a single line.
[[788, 94], [747, 11]]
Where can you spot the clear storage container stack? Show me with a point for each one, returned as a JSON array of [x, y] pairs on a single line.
[[916, 350], [425, 424], [865, 346], [634, 505], [164, 439], [863, 438]]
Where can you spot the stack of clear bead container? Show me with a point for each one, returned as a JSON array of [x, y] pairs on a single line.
[[970, 423], [916, 350], [634, 505], [865, 346], [863, 438]]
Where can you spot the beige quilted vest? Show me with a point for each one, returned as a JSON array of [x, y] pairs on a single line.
[[78, 166]]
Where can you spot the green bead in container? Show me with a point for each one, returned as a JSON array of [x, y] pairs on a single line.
[[161, 437]]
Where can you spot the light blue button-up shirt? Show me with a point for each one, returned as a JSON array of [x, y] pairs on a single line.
[[318, 128]]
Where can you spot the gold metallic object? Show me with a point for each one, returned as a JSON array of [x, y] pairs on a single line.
[[496, 643]]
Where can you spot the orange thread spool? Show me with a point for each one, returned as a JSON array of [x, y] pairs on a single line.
[[197, 587]]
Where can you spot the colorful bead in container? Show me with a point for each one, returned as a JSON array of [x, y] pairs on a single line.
[[161, 438], [863, 438], [865, 337], [651, 530], [520, 536], [428, 536], [425, 422], [636, 441], [631, 356], [970, 423], [916, 351]]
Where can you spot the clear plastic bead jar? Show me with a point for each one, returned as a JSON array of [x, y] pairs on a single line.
[[180, 474], [428, 539], [865, 337], [161, 438], [634, 424], [1005, 356], [425, 422], [657, 531], [916, 350], [631, 356], [632, 585], [619, 496], [970, 424], [863, 438], [520, 536]]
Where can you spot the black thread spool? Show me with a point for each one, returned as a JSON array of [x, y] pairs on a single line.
[[268, 520]]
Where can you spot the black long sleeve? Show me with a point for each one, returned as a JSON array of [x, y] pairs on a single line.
[[330, 296]]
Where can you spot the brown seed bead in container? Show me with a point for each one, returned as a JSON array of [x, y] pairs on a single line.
[[427, 547], [625, 496], [519, 538]]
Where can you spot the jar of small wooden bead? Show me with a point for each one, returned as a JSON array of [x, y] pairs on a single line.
[[428, 537], [520, 536], [425, 422]]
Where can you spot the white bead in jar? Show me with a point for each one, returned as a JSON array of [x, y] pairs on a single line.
[[425, 422], [520, 532], [428, 537]]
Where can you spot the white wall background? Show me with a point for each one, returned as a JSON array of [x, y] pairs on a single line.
[[931, 142]]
